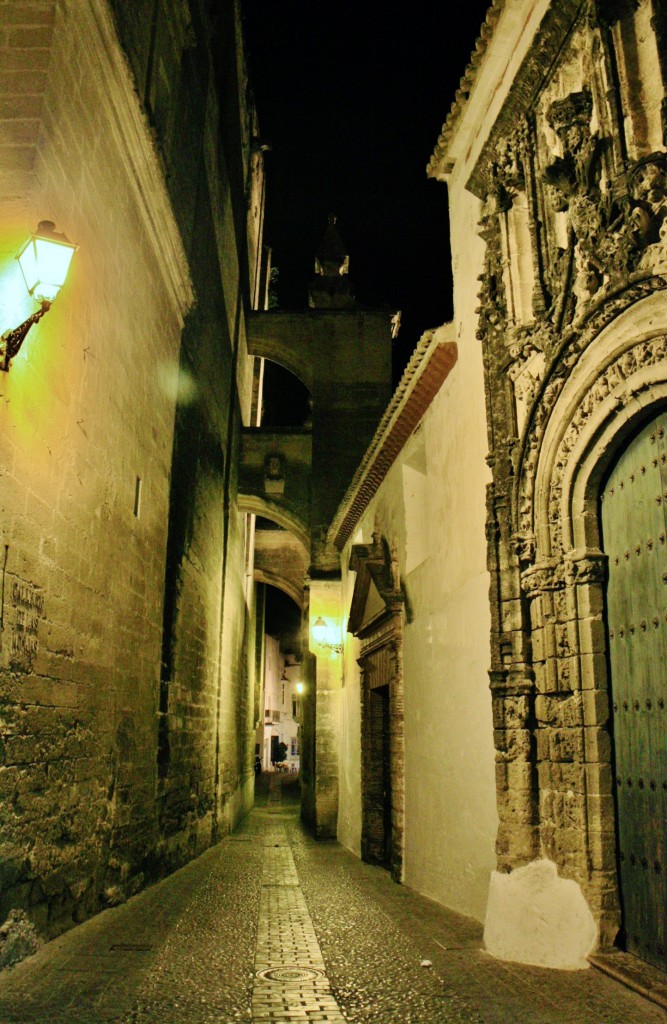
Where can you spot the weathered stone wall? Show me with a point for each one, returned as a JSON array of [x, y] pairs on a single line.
[[122, 553], [282, 561], [343, 356], [27, 30]]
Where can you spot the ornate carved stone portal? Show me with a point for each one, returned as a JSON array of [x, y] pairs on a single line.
[[573, 323]]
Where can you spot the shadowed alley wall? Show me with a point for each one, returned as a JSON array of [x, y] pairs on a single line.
[[125, 677]]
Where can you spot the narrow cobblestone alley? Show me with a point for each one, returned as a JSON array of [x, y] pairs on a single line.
[[270, 926]]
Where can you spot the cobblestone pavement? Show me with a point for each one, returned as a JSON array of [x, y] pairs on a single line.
[[346, 945], [290, 980]]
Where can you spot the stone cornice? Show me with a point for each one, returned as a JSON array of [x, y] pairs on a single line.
[[525, 86], [427, 370], [125, 119]]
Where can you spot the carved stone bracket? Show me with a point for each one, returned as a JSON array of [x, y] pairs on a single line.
[[373, 563], [274, 473], [542, 578], [583, 567], [523, 546]]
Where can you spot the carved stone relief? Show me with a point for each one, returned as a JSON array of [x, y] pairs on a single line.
[[564, 220], [526, 374], [274, 473], [648, 209], [644, 354]]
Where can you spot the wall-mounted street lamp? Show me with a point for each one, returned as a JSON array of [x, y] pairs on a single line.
[[299, 688], [321, 635], [44, 261]]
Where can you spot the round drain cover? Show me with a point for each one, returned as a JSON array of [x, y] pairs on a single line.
[[290, 974]]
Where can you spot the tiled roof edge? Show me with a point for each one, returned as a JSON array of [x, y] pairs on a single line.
[[436, 164], [427, 370]]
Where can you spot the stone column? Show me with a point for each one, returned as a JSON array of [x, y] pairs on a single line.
[[586, 575], [512, 694], [560, 754], [512, 690], [571, 711]]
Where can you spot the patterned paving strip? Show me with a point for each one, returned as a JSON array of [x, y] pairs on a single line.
[[290, 981]]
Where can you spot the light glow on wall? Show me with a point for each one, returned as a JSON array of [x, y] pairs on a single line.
[[326, 634]]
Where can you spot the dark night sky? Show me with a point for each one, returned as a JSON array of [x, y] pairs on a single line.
[[351, 97]]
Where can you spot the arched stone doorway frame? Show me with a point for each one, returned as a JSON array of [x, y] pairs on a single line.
[[376, 619], [609, 376]]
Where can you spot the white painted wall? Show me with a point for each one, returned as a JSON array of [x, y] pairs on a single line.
[[450, 793], [450, 806], [431, 507]]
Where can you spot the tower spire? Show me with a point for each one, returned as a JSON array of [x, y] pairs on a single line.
[[331, 287]]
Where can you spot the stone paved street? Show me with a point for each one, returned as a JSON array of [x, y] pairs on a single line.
[[270, 926]]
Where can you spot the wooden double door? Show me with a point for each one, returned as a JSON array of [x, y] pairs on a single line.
[[634, 531]]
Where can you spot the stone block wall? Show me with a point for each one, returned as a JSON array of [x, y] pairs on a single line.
[[343, 356], [126, 726], [25, 39]]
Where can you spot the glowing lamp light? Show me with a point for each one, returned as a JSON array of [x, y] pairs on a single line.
[[299, 688], [321, 632], [44, 261]]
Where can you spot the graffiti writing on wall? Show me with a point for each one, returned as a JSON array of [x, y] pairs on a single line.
[[28, 605]]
